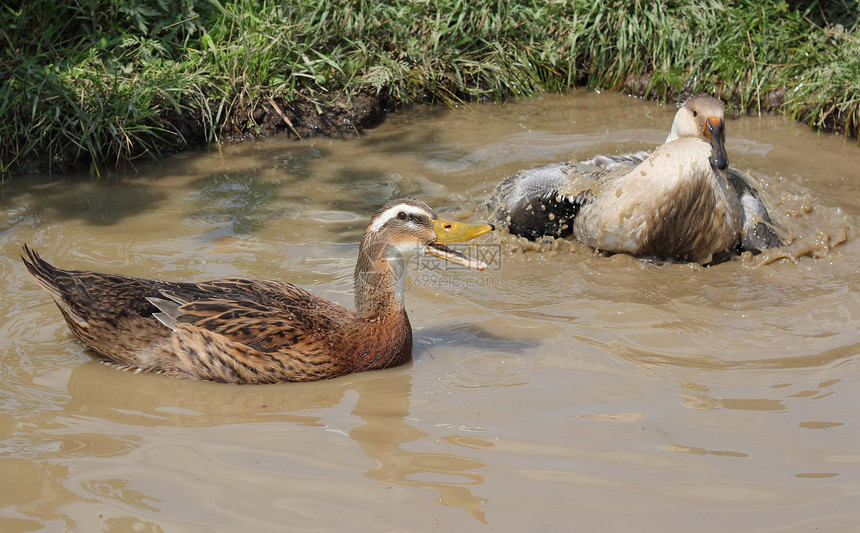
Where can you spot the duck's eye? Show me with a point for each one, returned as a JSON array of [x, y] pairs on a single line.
[[401, 216], [695, 114]]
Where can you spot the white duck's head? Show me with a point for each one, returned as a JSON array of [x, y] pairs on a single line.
[[702, 116]]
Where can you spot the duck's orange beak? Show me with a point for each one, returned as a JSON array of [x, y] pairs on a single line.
[[715, 132], [447, 232]]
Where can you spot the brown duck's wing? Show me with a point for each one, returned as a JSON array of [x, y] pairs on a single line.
[[262, 328], [268, 300], [96, 300], [244, 341], [274, 294]]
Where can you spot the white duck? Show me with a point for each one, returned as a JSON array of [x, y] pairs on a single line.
[[680, 202]]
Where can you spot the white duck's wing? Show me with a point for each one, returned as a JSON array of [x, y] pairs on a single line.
[[758, 231], [539, 202], [610, 161]]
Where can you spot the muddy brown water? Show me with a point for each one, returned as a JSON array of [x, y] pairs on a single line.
[[557, 391]]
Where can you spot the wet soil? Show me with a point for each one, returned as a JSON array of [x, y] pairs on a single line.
[[349, 115]]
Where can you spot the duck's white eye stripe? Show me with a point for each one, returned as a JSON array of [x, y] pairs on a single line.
[[392, 212]]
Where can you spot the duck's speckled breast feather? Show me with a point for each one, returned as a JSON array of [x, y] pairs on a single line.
[[674, 204]]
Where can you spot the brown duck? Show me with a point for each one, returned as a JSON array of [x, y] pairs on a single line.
[[249, 331]]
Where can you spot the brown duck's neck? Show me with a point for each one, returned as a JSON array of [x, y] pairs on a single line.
[[378, 281], [382, 333], [382, 342]]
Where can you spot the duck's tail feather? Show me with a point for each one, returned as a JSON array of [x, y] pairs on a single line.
[[43, 272], [758, 230], [109, 312], [57, 282]]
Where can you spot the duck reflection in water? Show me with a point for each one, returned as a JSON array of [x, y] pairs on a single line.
[[384, 411], [383, 404]]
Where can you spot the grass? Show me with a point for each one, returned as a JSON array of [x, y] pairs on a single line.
[[102, 83]]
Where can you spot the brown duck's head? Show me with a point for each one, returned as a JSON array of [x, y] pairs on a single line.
[[407, 222], [703, 116]]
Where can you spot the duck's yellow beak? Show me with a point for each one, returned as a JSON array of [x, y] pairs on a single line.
[[715, 132], [447, 232]]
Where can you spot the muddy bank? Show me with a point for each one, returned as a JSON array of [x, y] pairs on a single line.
[[348, 116], [351, 114], [836, 120], [301, 118]]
